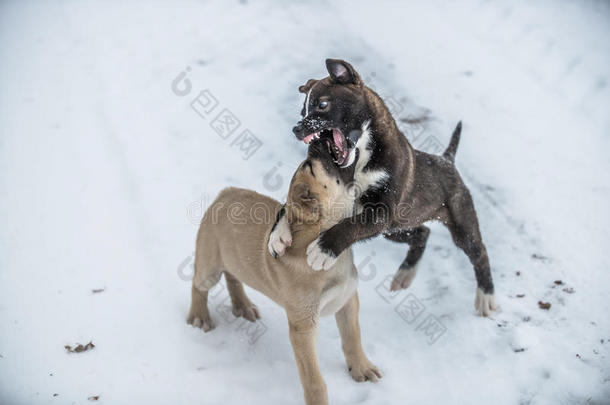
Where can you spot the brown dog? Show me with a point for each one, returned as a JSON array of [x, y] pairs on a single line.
[[232, 240]]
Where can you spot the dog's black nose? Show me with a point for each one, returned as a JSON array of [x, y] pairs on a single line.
[[299, 130]]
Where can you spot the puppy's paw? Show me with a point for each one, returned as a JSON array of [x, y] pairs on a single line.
[[365, 371], [280, 238], [403, 278], [319, 258], [203, 322], [485, 304], [247, 311]]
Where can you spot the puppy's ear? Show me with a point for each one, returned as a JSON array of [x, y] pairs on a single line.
[[307, 86], [342, 72]]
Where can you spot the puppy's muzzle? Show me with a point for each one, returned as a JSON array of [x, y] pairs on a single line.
[[299, 131]]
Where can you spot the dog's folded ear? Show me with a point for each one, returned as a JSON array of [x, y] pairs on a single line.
[[307, 86], [342, 72]]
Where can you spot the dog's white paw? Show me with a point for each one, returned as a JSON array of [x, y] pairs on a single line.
[[280, 238], [485, 304], [318, 259], [403, 278]]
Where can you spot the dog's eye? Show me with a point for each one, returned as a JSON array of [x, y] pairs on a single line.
[[322, 105]]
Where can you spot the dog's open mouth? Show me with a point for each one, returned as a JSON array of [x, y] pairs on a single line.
[[335, 141]]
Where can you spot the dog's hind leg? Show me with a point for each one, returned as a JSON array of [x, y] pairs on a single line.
[[416, 238], [199, 315], [206, 276], [242, 306], [464, 228]]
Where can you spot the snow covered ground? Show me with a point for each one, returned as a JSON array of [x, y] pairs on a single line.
[[105, 171]]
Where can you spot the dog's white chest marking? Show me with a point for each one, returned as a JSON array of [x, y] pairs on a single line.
[[365, 179], [333, 299]]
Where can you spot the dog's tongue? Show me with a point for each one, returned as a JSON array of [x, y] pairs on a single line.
[[340, 141], [308, 138], [338, 138]]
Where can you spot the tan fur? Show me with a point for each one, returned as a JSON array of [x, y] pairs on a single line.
[[233, 239]]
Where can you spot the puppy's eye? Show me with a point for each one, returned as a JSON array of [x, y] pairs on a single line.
[[322, 105]]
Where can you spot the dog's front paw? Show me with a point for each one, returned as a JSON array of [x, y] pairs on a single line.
[[280, 238], [318, 257], [485, 304], [365, 371]]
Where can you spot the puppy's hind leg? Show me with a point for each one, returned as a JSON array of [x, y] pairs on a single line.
[[242, 306], [464, 228], [416, 238], [199, 315], [205, 278]]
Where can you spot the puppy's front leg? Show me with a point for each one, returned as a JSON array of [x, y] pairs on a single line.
[[359, 366], [303, 339]]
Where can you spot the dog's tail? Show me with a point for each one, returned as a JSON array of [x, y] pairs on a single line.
[[453, 145]]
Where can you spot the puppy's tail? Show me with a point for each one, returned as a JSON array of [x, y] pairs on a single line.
[[453, 145]]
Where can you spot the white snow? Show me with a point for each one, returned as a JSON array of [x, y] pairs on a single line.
[[104, 173]]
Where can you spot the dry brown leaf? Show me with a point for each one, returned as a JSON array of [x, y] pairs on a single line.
[[544, 305], [79, 348]]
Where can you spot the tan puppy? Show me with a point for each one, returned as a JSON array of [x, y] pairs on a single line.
[[232, 240]]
